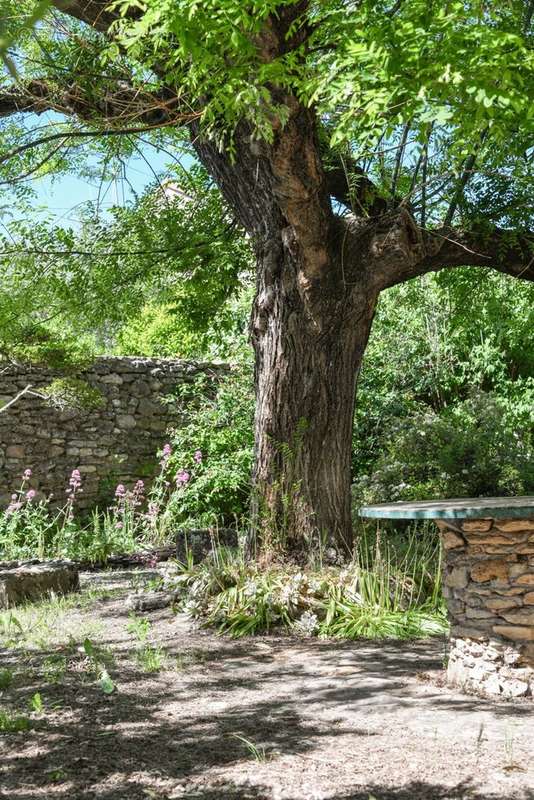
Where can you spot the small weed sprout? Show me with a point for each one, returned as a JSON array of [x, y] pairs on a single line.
[[13, 723], [148, 657], [36, 703], [257, 752], [6, 678], [97, 659]]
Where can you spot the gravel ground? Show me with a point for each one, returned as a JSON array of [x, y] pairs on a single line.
[[273, 718]]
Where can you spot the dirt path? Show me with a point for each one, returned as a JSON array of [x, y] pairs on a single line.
[[272, 718]]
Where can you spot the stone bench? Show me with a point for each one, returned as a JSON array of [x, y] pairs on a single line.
[[33, 581], [488, 585]]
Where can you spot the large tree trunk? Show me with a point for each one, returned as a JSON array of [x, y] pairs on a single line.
[[310, 324], [309, 347]]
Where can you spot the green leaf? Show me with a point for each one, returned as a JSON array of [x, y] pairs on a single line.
[[105, 682]]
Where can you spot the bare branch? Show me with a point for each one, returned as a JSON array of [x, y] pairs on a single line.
[[503, 250], [28, 390], [94, 134], [399, 158]]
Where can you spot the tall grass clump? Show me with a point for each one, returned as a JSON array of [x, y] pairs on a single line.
[[390, 589]]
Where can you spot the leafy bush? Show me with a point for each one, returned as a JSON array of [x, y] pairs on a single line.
[[211, 458], [435, 342], [471, 449]]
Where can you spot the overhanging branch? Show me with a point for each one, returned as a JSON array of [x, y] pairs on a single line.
[[96, 13], [121, 105], [505, 251]]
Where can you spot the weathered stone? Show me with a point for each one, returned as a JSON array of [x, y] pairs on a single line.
[[518, 569], [514, 688], [477, 524], [528, 598], [519, 616], [126, 421], [495, 539], [478, 613], [491, 684], [34, 581], [491, 569], [525, 580], [515, 632], [512, 657], [513, 525], [148, 408], [150, 601], [15, 451], [502, 603], [457, 577], [113, 379], [464, 631], [140, 388], [452, 540]]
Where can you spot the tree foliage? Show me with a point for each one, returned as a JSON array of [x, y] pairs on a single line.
[[181, 254]]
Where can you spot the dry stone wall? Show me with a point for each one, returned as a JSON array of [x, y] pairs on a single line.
[[489, 589], [115, 442]]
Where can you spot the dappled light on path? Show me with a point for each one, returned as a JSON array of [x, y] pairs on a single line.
[[270, 717]]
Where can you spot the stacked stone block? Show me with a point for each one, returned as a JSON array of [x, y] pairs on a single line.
[[489, 588], [29, 582], [114, 443]]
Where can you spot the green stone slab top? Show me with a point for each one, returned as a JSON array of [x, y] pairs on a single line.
[[457, 508]]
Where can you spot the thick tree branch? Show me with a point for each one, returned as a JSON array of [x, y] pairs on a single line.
[[505, 251], [121, 105], [348, 184], [96, 13]]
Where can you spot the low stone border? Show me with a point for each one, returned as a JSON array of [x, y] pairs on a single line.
[[33, 581]]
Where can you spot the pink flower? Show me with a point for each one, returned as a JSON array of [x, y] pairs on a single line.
[[182, 477], [167, 450], [75, 479], [120, 491], [75, 482], [30, 494], [198, 456], [15, 505], [119, 525], [27, 474]]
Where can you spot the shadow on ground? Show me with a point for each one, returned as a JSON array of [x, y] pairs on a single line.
[[345, 712]]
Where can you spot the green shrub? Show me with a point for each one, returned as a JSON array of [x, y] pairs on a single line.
[[211, 459], [435, 341], [470, 449]]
